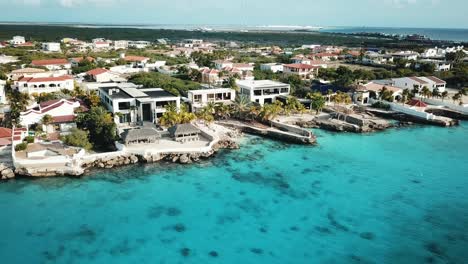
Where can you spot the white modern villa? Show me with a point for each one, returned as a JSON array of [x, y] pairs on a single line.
[[200, 98], [263, 91], [137, 105]]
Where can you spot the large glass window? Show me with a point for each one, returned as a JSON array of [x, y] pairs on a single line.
[[124, 118], [124, 105], [197, 98]]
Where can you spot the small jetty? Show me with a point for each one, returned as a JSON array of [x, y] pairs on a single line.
[[276, 130]]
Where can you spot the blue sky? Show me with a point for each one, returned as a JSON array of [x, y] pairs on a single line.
[[391, 13]]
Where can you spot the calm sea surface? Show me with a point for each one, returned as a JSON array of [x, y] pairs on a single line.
[[399, 196]]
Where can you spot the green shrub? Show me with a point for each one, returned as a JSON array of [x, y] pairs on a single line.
[[381, 105], [29, 139], [21, 146], [78, 138]]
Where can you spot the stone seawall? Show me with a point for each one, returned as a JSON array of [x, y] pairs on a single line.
[[182, 158], [285, 136]]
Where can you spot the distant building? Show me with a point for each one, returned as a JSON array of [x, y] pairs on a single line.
[[210, 76], [137, 105], [2, 92], [430, 82], [75, 61], [52, 64], [17, 40], [274, 67], [101, 75], [101, 45], [51, 46], [220, 64], [263, 91], [200, 98], [406, 55], [305, 71], [120, 44], [438, 64], [39, 85], [139, 44], [325, 56]]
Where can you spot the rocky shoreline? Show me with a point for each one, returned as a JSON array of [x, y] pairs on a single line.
[[181, 158], [6, 172], [119, 159]]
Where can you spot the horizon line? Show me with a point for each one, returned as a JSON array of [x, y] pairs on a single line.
[[71, 23]]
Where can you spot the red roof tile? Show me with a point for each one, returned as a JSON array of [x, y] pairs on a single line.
[[49, 62], [49, 79], [5, 132], [301, 66], [436, 80], [97, 71], [63, 119], [417, 103], [135, 58]]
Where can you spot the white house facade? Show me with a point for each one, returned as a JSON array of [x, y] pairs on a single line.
[[263, 91], [274, 67], [39, 85], [200, 98], [51, 47], [137, 105]]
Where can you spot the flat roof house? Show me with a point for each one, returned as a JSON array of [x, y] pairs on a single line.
[[200, 98], [137, 105], [51, 46], [274, 67], [263, 91]]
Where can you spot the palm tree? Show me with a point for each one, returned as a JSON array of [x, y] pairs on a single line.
[[222, 111], [47, 119], [435, 92], [456, 97], [241, 105], [415, 90], [406, 94], [317, 101], [426, 92], [444, 95], [271, 111]]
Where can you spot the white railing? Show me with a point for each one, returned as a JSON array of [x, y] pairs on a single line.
[[409, 110], [447, 103]]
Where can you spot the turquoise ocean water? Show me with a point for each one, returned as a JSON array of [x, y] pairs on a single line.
[[394, 197]]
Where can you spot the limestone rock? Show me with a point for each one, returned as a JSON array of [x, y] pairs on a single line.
[[184, 159]]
